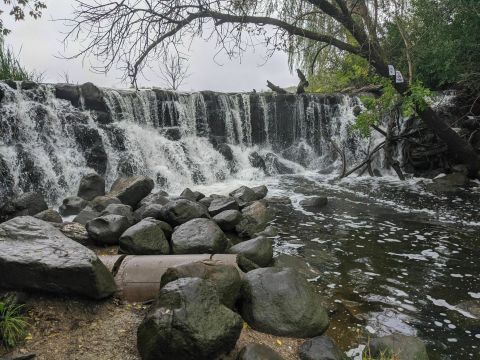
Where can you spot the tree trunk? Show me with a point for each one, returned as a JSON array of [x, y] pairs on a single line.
[[459, 148]]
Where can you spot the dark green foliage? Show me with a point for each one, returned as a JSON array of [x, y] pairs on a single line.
[[13, 324]]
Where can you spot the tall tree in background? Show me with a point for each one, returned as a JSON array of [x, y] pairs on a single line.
[[130, 33]]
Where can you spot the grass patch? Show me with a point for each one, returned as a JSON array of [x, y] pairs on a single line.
[[13, 324], [10, 67]]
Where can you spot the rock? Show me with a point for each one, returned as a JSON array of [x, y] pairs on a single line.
[[153, 210], [320, 348], [119, 209], [401, 346], [448, 183], [38, 257], [227, 220], [188, 322], [72, 205], [132, 190], [199, 236], [145, 238], [76, 232], [93, 97], [198, 195], [258, 250], [91, 186], [279, 200], [68, 92], [86, 215], [255, 219], [226, 151], [281, 302], [275, 166], [226, 278], [246, 264], [244, 195], [99, 203], [257, 161], [206, 201], [177, 212], [258, 352], [270, 231], [221, 204], [167, 229], [160, 198], [30, 203], [260, 191], [188, 194], [106, 230], [315, 202], [49, 215], [28, 85]]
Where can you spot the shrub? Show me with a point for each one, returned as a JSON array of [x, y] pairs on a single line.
[[13, 324]]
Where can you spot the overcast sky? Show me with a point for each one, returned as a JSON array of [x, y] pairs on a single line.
[[39, 46]]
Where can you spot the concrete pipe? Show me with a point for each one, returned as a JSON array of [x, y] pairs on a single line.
[[138, 276]]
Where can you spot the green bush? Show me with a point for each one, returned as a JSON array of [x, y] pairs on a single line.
[[13, 324]]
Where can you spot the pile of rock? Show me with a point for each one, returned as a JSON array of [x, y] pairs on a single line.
[[201, 306]]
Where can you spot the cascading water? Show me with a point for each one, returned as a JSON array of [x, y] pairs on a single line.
[[48, 143]]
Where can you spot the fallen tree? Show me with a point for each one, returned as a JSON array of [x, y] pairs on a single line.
[[128, 33]]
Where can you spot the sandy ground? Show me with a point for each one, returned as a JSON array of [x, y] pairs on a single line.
[[66, 329]]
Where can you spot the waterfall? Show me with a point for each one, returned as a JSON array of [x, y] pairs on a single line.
[[52, 135]]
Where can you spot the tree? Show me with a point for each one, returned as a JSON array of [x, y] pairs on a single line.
[[174, 71], [129, 33], [19, 9]]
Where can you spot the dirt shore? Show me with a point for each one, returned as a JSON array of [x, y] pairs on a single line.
[[67, 329]]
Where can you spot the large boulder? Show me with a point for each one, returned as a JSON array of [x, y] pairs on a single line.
[[91, 186], [258, 352], [401, 346], [255, 219], [131, 190], [72, 205], [152, 210], [226, 278], [107, 229], [30, 203], [258, 250], [227, 220], [160, 198], [144, 238], [38, 257], [50, 215], [221, 204], [281, 302], [260, 191], [448, 183], [99, 203], [188, 322], [199, 236], [320, 348], [177, 212], [86, 215], [188, 194], [244, 195], [119, 209]]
